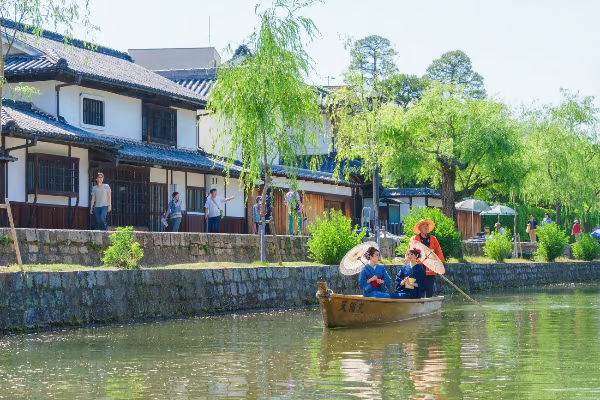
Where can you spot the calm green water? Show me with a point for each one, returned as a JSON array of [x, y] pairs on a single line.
[[529, 345]]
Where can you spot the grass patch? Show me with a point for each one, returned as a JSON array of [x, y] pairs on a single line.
[[254, 264], [487, 260]]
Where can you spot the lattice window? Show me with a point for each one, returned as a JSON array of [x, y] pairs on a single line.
[[195, 199], [159, 125], [92, 114], [52, 175]]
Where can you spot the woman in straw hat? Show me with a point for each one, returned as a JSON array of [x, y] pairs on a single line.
[[374, 280], [411, 281], [422, 229]]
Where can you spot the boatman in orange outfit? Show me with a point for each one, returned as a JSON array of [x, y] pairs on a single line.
[[422, 229]]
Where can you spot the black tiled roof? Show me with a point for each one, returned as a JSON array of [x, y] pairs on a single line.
[[408, 192], [6, 157], [99, 64], [327, 163], [161, 155], [202, 80], [20, 118]]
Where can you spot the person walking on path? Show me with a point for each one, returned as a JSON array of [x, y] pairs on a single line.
[[256, 214], [293, 201], [174, 210], [576, 230], [499, 228], [267, 203], [532, 225], [101, 202], [213, 211], [547, 219], [422, 229]]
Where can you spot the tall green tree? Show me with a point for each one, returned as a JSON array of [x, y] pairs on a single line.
[[35, 15], [372, 57], [563, 155], [455, 68], [404, 89], [455, 142], [265, 108], [362, 108]]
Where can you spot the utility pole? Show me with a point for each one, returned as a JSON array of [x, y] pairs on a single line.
[[376, 205]]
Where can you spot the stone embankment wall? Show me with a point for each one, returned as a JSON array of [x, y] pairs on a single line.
[[35, 300], [48, 246]]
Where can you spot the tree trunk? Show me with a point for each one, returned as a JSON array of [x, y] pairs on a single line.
[[557, 212], [448, 192]]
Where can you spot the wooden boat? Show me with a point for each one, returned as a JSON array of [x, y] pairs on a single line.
[[340, 310]]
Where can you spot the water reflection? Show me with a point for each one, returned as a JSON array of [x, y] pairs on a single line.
[[538, 345]]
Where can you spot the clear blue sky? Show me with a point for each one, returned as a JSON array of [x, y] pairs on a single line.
[[525, 49]]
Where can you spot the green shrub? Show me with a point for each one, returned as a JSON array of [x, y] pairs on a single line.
[[446, 234], [552, 242], [5, 240], [332, 238], [498, 247], [123, 251], [586, 248]]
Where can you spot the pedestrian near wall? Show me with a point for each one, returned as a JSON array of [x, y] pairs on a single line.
[[213, 210], [256, 214], [174, 211], [101, 202], [268, 204], [547, 219], [532, 225], [576, 230], [293, 201]]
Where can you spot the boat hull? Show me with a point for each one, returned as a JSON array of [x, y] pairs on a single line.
[[339, 310]]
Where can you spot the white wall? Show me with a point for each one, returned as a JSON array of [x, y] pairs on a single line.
[[418, 201], [324, 138], [435, 202], [158, 175], [16, 171], [196, 180], [186, 129], [45, 100], [235, 208], [17, 177], [314, 186], [122, 115]]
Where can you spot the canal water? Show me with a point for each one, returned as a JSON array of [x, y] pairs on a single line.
[[537, 344]]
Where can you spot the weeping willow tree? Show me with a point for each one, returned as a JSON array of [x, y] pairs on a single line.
[[264, 107], [564, 147]]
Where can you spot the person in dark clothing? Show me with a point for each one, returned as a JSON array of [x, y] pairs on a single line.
[[411, 281]]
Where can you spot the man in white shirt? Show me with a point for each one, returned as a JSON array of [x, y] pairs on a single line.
[[214, 210]]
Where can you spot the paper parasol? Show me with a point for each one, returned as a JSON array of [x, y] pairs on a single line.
[[354, 261], [428, 257]]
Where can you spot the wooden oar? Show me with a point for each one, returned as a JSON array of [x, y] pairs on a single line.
[[457, 288]]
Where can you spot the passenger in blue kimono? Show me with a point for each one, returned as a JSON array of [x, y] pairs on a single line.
[[374, 280], [405, 287]]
